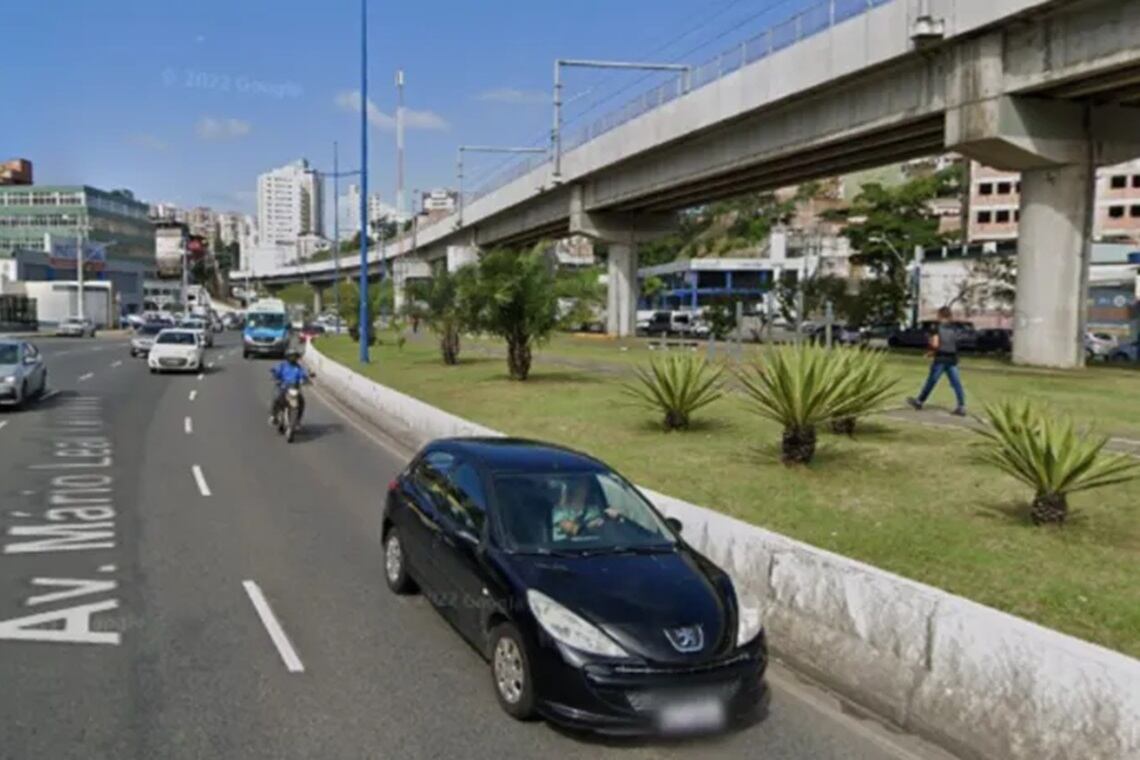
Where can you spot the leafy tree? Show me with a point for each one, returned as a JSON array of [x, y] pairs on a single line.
[[721, 317], [512, 295], [350, 306], [581, 294], [990, 281], [437, 302], [652, 287], [885, 225], [299, 293]]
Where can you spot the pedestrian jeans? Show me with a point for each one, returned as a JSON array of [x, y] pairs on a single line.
[[937, 369]]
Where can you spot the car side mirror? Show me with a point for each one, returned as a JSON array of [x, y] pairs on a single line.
[[674, 523]]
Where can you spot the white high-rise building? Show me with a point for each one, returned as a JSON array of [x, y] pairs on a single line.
[[289, 204], [229, 227], [378, 210]]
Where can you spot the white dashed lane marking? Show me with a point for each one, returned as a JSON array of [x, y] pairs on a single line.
[[284, 647], [200, 479], [188, 426], [86, 376]]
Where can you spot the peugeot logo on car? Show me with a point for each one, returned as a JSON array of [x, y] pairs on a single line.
[[687, 638]]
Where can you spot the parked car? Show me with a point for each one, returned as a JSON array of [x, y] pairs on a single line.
[[842, 335], [1100, 345], [995, 340], [176, 349], [76, 327], [1126, 352], [143, 339], [543, 559], [23, 374], [919, 337], [879, 335]]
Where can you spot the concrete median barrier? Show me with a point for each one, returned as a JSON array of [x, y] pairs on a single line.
[[979, 682]]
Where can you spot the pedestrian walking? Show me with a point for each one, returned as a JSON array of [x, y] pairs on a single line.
[[944, 350]]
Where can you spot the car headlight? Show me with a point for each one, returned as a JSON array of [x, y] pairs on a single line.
[[566, 627], [9, 380], [749, 624]]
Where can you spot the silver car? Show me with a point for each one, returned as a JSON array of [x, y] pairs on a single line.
[[76, 327], [23, 375], [143, 338]]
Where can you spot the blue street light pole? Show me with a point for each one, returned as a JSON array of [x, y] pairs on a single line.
[[365, 322]]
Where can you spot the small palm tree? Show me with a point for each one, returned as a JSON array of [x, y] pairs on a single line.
[[871, 387], [1050, 456], [677, 386], [799, 387]]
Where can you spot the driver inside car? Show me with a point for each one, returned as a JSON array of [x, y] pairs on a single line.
[[581, 510]]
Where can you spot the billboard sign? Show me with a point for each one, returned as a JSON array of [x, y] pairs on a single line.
[[63, 254]]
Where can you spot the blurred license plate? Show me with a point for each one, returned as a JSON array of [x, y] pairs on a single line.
[[705, 714]]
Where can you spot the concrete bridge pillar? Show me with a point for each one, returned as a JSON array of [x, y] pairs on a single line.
[[621, 232], [318, 300], [622, 291], [1057, 146]]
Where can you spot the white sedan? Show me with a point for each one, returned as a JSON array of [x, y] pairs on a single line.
[[176, 349]]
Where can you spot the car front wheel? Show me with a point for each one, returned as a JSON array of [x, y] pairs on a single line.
[[511, 672], [395, 568]]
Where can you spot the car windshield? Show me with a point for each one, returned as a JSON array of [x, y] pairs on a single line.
[[576, 512], [9, 354], [177, 339], [150, 329], [266, 320]]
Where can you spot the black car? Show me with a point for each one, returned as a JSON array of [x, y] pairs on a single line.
[[996, 340], [919, 336], [592, 610]]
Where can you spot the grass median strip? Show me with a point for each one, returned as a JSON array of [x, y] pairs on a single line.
[[908, 498]]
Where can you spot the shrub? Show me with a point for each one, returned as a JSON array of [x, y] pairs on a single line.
[[870, 387], [1047, 454], [677, 386], [800, 388]]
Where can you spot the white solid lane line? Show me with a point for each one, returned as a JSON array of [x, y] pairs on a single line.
[[3, 424], [276, 632], [86, 376], [117, 363], [193, 395], [200, 479], [188, 425]]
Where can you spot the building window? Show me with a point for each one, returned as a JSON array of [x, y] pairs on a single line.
[[985, 217], [1136, 180], [1017, 215], [1004, 188], [1119, 181], [1134, 212], [1115, 212], [986, 188], [1018, 187], [1002, 217]]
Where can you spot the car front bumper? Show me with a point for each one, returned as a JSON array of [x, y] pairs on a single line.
[[625, 701], [9, 394], [174, 363], [268, 349]]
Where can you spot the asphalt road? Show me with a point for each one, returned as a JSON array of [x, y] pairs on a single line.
[[177, 582]]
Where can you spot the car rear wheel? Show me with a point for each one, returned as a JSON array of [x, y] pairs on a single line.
[[395, 569], [511, 672]]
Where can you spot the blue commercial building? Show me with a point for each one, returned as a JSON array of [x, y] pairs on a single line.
[[694, 283], [126, 275]]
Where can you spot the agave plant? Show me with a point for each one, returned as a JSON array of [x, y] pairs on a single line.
[[799, 387], [871, 388], [677, 386], [1048, 455]]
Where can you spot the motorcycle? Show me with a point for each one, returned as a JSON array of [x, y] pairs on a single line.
[[288, 415]]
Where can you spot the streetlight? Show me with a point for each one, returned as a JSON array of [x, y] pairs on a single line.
[[336, 174], [80, 263], [481, 149], [556, 132], [916, 272]]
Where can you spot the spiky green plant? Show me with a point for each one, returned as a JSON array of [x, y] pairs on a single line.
[[677, 386], [800, 388], [871, 387], [1046, 453]]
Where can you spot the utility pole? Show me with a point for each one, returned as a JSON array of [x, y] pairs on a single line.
[[336, 233], [365, 326], [400, 142], [79, 267], [556, 129]]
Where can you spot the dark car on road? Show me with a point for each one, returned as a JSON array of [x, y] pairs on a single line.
[[995, 340], [919, 337], [592, 610]]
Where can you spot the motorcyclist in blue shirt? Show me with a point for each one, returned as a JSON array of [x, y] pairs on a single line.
[[287, 373]]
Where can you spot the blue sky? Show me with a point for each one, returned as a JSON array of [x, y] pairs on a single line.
[[188, 101]]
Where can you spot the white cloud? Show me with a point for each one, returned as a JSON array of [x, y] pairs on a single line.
[[513, 96], [349, 100], [209, 128], [147, 141]]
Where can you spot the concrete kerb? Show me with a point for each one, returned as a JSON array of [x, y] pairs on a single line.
[[977, 681]]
